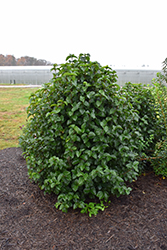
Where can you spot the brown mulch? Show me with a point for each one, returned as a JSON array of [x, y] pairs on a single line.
[[29, 220]]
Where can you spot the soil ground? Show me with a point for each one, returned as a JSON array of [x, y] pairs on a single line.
[[29, 220]]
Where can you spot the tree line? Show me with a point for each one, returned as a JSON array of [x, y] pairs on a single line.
[[10, 60]]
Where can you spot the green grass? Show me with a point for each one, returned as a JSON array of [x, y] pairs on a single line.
[[13, 104]]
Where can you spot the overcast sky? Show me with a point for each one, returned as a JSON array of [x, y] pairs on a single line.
[[114, 32]]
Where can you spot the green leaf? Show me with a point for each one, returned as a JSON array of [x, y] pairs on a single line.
[[68, 99], [83, 126], [82, 98], [93, 173], [123, 149], [93, 190], [70, 113], [100, 170], [84, 137], [91, 135], [99, 131], [74, 83], [85, 176], [48, 114], [92, 114], [100, 195], [88, 152], [86, 104], [84, 156], [82, 111], [81, 181], [78, 153], [98, 103], [90, 94], [57, 204], [108, 157], [79, 174], [56, 110], [94, 155], [67, 175], [106, 196], [52, 185], [60, 176], [75, 187], [106, 129], [74, 117], [96, 148], [75, 205], [128, 190], [77, 129], [76, 161], [75, 106], [135, 166], [103, 123], [103, 94]]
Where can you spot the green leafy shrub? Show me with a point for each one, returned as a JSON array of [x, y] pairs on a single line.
[[159, 159], [81, 140], [142, 100], [159, 90], [162, 77]]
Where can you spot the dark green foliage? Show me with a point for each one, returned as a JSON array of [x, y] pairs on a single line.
[[142, 100], [83, 139], [162, 78], [159, 159]]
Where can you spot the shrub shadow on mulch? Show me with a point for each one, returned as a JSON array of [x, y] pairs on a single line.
[[29, 220]]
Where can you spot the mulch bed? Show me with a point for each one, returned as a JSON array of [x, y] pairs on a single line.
[[29, 220]]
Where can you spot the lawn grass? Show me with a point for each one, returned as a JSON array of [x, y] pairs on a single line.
[[13, 104]]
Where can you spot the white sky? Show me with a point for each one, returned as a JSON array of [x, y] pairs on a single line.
[[114, 32]]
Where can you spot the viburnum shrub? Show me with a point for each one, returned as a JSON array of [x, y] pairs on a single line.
[[159, 90], [142, 100], [81, 141]]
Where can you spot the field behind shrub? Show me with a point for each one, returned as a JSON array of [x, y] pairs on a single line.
[[13, 104]]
